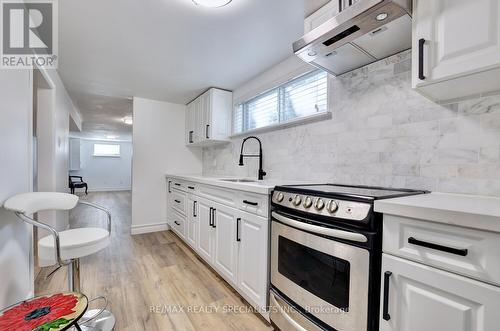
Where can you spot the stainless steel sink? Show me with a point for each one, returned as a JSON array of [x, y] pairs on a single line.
[[239, 180]]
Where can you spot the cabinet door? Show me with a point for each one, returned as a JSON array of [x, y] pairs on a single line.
[[205, 237], [253, 269], [206, 116], [426, 298], [192, 225], [190, 123], [461, 37], [226, 245]]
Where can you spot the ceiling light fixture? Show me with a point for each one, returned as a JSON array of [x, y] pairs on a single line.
[[127, 120], [381, 16], [212, 3]]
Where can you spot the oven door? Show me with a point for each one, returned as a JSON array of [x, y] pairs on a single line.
[[327, 278]]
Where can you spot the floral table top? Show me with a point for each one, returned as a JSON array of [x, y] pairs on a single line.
[[56, 312]]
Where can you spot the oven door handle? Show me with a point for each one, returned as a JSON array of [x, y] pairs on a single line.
[[346, 235]]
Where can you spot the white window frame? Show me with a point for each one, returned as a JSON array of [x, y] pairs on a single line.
[[324, 115], [106, 155]]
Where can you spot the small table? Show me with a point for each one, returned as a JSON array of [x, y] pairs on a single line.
[[55, 312]]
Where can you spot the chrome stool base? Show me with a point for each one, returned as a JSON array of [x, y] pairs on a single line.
[[104, 322]]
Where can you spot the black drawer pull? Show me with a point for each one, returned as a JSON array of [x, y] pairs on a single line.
[[177, 223], [178, 201], [251, 203], [206, 131], [385, 313], [451, 250], [169, 183], [421, 43], [191, 187], [238, 220], [177, 184]]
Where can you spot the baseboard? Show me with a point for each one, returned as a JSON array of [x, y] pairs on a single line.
[[148, 228], [109, 189]]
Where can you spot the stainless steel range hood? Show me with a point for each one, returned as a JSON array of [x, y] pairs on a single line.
[[362, 33]]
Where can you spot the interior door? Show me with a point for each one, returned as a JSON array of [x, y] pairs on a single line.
[[192, 222], [461, 36], [205, 237], [253, 242], [426, 298], [226, 244]]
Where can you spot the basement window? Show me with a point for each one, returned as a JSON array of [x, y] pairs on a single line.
[[109, 150], [299, 99]]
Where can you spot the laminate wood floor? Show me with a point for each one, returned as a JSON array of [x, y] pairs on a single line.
[[152, 281]]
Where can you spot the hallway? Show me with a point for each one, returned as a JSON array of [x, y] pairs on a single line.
[[152, 281]]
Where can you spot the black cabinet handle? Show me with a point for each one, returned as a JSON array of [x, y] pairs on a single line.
[[214, 224], [169, 183], [238, 220], [210, 215], [178, 201], [451, 250], [194, 208], [206, 131], [177, 223], [421, 43], [177, 184], [250, 203], [191, 137], [191, 187], [385, 313]]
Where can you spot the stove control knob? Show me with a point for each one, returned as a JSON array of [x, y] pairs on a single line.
[[332, 206], [280, 197], [308, 202], [319, 205], [297, 200]]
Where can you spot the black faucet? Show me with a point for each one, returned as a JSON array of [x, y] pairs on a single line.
[[262, 173]]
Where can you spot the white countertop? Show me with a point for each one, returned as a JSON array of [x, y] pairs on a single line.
[[472, 211], [258, 186]]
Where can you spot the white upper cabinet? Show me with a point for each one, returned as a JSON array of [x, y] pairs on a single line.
[[208, 118], [321, 16], [456, 47]]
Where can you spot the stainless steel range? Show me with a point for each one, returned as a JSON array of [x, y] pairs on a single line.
[[326, 244]]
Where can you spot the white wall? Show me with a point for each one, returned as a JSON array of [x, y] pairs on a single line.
[[105, 173], [159, 148], [55, 109], [15, 169]]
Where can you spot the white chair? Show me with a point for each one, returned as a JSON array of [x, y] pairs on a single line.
[[65, 248]]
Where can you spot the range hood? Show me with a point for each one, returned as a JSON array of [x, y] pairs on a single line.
[[363, 32]]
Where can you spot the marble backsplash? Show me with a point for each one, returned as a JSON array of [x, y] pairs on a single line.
[[384, 133]]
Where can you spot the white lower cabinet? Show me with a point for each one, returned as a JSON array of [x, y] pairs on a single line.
[[205, 236], [192, 224], [226, 246], [252, 257], [419, 297]]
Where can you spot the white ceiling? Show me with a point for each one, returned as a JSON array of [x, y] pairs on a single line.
[[168, 50]]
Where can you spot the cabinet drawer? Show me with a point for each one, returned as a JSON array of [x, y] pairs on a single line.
[[254, 203], [217, 194], [178, 224], [464, 251], [179, 201]]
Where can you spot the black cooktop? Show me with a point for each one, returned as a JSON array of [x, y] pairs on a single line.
[[356, 191]]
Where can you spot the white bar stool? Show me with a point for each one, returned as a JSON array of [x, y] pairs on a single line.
[[65, 248]]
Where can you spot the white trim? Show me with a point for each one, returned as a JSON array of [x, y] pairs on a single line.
[[148, 228], [283, 125]]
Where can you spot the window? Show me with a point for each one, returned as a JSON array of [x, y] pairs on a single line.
[[301, 97], [107, 150]]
